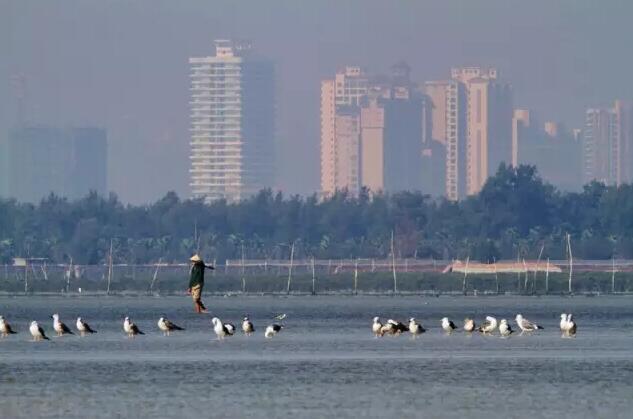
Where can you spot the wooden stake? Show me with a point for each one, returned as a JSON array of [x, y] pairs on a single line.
[[571, 262], [547, 278], [151, 286], [313, 278], [356, 277], [494, 260], [613, 275], [465, 275], [109, 269], [292, 255], [393, 265]]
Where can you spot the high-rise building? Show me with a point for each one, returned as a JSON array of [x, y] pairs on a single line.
[[546, 147], [624, 124], [397, 151], [489, 119], [448, 103], [520, 128], [472, 117], [608, 145], [340, 113], [232, 123], [67, 162], [377, 134], [4, 167]]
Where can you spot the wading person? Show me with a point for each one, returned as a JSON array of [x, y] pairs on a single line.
[[196, 282]]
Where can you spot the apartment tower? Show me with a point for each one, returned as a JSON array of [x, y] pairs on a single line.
[[340, 130], [69, 162], [232, 123], [608, 145], [472, 117]]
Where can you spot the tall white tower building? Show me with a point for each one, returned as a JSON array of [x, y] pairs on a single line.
[[608, 144], [472, 117], [340, 130], [232, 123]]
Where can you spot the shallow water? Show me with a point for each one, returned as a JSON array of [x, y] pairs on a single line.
[[325, 363]]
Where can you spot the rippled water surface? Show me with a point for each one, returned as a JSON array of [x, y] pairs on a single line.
[[325, 363]]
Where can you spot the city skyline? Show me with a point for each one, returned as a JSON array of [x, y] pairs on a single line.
[[135, 83]]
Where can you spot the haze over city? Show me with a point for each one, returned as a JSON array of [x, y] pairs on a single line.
[[316, 208], [123, 66]]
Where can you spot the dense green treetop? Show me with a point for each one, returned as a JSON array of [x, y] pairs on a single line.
[[515, 213]]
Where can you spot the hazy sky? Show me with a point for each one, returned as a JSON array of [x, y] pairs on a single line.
[[122, 64]]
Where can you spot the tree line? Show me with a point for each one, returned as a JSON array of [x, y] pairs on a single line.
[[516, 214]]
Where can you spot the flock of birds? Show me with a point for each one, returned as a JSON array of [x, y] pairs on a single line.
[[394, 328], [165, 325], [225, 329]]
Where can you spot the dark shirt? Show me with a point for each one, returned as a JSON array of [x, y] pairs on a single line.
[[196, 276]]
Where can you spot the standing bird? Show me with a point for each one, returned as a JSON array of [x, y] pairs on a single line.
[[448, 325], [525, 325], [167, 326], [60, 328], [272, 330], [563, 323], [399, 327], [247, 326], [222, 330], [5, 328], [469, 325], [571, 325], [83, 327], [230, 327], [415, 328], [37, 332], [130, 328], [504, 328], [376, 326], [388, 329], [489, 325]]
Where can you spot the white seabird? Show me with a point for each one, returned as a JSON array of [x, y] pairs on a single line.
[[448, 325], [571, 325], [37, 332], [272, 330], [525, 325], [130, 328], [222, 330], [83, 327], [60, 327], [504, 328], [167, 326], [415, 328], [469, 325], [247, 326], [376, 326], [489, 325], [5, 328], [563, 323]]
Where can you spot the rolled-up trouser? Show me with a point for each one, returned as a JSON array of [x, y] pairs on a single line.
[[196, 294]]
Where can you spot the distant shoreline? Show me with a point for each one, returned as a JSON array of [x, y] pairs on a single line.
[[348, 293]]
